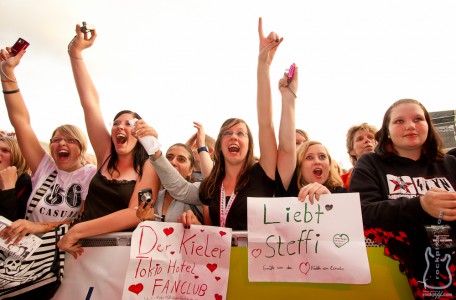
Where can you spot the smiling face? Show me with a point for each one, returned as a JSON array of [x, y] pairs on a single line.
[[66, 151], [408, 129], [315, 165], [235, 143], [363, 142], [5, 155], [124, 141], [180, 158]]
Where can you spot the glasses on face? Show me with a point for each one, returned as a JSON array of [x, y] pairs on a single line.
[[57, 140], [239, 134]]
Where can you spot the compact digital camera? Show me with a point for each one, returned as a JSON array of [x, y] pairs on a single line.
[[20, 45], [145, 195], [86, 28], [290, 72]]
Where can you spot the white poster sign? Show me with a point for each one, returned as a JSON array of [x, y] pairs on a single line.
[[170, 262], [293, 241]]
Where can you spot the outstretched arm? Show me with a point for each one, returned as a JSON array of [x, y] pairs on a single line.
[[266, 133], [96, 128], [286, 154], [17, 110]]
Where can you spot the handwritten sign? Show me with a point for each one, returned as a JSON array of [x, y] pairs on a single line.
[[170, 262], [295, 241]]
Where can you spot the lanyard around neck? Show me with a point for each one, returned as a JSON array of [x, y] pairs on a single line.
[[225, 210]]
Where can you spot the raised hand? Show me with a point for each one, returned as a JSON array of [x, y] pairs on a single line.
[[289, 87], [200, 134], [81, 41], [268, 45]]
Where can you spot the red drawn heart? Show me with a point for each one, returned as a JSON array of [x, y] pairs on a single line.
[[222, 233], [217, 278], [211, 267], [168, 230], [136, 288], [256, 252], [218, 297], [196, 276], [172, 252], [202, 230], [304, 268]]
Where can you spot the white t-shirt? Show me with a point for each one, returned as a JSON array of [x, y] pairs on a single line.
[[65, 196]]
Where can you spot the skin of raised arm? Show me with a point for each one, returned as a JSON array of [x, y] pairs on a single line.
[[286, 152], [99, 135], [266, 133], [18, 112]]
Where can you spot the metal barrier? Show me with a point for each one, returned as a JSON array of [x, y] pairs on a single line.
[[103, 265]]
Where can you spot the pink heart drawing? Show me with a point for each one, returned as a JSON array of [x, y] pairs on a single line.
[[222, 233], [217, 278], [202, 230], [304, 267], [172, 252], [168, 231], [136, 288], [211, 267], [196, 276], [256, 252], [218, 297]]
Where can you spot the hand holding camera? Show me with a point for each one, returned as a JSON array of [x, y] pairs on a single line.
[[84, 38], [145, 209], [20, 45], [145, 195], [290, 72], [290, 80]]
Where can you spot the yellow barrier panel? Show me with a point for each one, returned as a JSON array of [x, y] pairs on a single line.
[[387, 282]]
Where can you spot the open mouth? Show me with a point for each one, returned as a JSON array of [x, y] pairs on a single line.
[[121, 138], [233, 148], [318, 172], [63, 154]]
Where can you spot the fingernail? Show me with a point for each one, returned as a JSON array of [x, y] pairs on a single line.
[[277, 40]]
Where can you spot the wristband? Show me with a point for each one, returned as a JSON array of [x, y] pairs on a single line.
[[204, 148]]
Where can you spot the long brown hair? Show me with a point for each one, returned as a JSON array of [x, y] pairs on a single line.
[[139, 153], [215, 178], [432, 148]]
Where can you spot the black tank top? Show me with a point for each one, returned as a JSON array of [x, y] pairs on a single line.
[[106, 196]]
